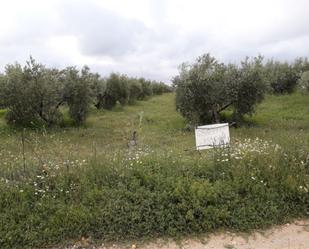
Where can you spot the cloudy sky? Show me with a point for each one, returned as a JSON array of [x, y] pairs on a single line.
[[150, 38]]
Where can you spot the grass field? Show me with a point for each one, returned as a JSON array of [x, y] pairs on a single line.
[[73, 182]]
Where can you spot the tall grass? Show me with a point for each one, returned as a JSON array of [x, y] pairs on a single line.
[[86, 182]]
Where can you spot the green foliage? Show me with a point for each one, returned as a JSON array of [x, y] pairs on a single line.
[[135, 90], [32, 94], [98, 89], [116, 90], [112, 201], [84, 182], [304, 82], [281, 77], [126, 90], [301, 64], [207, 87], [123, 90], [200, 89], [2, 84], [78, 92], [146, 89], [159, 88], [246, 87]]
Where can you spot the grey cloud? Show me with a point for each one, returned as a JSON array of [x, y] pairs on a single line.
[[152, 51], [30, 27], [100, 31]]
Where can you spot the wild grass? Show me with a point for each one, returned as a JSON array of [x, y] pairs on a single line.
[[87, 182]]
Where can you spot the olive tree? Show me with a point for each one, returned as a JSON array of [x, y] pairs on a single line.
[[98, 89], [304, 82], [32, 94], [206, 88], [245, 86], [135, 90], [159, 88], [281, 77], [117, 89], [199, 91], [78, 92], [301, 64], [146, 89], [2, 82]]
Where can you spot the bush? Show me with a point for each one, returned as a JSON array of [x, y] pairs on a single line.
[[207, 87], [162, 196]]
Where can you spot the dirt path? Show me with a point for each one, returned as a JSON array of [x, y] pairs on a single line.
[[289, 236]]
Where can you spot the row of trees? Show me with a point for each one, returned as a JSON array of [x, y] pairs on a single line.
[[284, 77], [207, 87], [35, 94]]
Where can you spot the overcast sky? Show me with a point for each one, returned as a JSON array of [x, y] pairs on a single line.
[[150, 38]]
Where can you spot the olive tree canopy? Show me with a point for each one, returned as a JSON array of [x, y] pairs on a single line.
[[207, 87]]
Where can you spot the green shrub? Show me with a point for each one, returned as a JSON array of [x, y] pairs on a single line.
[[154, 195]]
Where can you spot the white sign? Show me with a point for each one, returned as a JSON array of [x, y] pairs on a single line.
[[209, 136]]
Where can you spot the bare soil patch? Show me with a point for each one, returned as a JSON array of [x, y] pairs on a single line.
[[288, 236]]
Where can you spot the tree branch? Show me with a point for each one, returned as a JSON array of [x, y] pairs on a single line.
[[225, 106], [59, 104]]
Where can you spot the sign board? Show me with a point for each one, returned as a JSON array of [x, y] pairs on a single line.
[[210, 136]]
